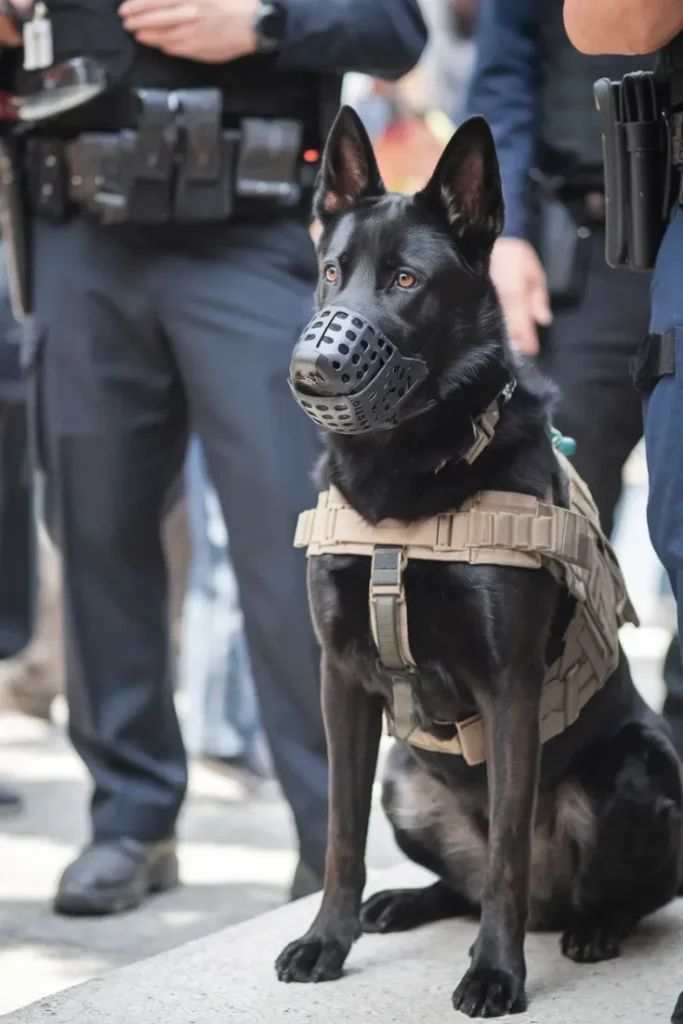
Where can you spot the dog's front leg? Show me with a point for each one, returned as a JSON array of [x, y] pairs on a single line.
[[353, 723], [494, 983]]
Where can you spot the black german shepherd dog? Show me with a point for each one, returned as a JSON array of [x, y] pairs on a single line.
[[582, 835]]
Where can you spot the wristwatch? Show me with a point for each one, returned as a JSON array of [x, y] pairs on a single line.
[[270, 25]]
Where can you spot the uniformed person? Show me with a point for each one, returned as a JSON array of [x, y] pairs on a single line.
[[643, 27], [18, 568], [173, 271], [583, 319]]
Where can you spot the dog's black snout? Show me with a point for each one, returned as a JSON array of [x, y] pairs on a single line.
[[338, 353]]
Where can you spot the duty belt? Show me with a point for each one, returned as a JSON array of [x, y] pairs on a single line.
[[179, 164], [491, 528]]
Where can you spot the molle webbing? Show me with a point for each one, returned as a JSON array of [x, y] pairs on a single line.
[[492, 528]]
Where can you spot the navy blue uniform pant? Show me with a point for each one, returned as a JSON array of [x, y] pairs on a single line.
[[587, 351], [18, 539], [144, 333], [664, 416]]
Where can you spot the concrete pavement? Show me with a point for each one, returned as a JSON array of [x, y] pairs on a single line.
[[395, 979], [236, 861]]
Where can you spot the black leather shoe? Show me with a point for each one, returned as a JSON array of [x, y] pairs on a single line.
[[115, 875]]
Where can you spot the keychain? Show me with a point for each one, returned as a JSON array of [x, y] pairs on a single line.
[[38, 51]]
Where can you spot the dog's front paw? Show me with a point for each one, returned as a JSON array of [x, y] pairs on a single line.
[[489, 992], [588, 941], [312, 958]]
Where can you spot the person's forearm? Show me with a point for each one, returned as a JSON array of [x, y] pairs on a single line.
[[382, 38], [504, 89], [9, 36], [622, 26], [13, 13]]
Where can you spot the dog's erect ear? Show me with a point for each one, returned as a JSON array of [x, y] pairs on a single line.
[[349, 170], [465, 188]]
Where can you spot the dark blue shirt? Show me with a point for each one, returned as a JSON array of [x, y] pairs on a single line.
[[382, 38], [504, 89]]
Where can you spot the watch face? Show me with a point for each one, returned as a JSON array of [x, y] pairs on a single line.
[[270, 25]]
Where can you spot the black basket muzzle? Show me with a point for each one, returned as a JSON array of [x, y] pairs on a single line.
[[348, 376]]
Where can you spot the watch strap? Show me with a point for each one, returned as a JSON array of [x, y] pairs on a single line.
[[269, 25]]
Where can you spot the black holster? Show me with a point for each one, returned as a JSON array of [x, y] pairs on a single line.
[[637, 164], [561, 226], [655, 358]]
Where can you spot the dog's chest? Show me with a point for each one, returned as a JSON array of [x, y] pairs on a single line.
[[448, 657]]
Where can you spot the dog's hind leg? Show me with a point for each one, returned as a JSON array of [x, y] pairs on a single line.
[[423, 814], [634, 864], [399, 910]]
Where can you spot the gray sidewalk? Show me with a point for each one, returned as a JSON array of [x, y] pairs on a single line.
[[228, 978], [236, 861]]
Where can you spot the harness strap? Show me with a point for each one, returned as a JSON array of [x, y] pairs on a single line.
[[388, 616], [493, 527], [484, 429], [561, 703], [485, 424], [389, 624]]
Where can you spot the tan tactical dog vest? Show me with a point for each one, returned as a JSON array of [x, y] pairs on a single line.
[[492, 528]]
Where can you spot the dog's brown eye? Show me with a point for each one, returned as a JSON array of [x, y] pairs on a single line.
[[405, 279], [331, 274]]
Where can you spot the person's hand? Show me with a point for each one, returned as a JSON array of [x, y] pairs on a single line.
[[464, 14], [520, 281], [9, 36], [212, 31]]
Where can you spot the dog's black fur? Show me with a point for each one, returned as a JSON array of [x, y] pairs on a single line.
[[584, 837]]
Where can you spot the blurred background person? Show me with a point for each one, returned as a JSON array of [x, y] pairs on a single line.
[[449, 58], [563, 303], [221, 720], [18, 567], [403, 117]]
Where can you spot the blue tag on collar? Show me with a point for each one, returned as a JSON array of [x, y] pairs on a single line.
[[564, 445]]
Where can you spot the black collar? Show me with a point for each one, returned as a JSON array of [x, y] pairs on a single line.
[[484, 426]]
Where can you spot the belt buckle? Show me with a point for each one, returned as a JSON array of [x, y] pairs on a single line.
[[386, 571]]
